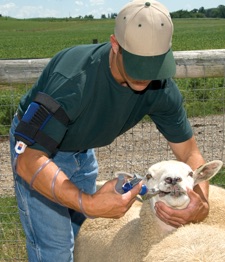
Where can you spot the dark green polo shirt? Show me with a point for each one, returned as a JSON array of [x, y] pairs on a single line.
[[99, 108]]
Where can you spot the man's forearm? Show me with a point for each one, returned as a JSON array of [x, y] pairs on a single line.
[[188, 153], [203, 190], [27, 166]]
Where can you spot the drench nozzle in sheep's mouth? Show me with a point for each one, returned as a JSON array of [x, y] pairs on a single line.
[[174, 192], [172, 187]]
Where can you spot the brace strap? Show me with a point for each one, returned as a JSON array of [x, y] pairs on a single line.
[[39, 112], [52, 106]]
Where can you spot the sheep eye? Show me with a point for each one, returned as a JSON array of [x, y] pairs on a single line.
[[190, 174], [148, 176]]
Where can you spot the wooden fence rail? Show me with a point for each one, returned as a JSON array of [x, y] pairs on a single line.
[[190, 64]]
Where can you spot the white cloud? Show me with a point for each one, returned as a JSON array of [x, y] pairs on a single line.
[[11, 9], [36, 11], [97, 2], [7, 8], [79, 3]]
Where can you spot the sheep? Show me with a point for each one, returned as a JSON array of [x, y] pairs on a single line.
[[132, 237], [192, 243], [202, 242], [172, 177]]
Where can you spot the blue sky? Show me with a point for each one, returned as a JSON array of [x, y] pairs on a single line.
[[74, 8]]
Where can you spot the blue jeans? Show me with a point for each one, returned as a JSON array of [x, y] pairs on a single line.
[[51, 228]]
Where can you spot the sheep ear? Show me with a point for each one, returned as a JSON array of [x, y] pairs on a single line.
[[207, 171]]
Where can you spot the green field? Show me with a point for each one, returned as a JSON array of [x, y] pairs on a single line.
[[43, 38]]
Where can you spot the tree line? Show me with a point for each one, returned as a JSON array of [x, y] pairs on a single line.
[[218, 12]]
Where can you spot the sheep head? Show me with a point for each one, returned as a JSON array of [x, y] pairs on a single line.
[[171, 178]]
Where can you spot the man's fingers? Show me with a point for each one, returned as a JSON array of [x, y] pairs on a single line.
[[135, 190]]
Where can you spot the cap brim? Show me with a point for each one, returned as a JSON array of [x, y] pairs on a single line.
[[149, 67]]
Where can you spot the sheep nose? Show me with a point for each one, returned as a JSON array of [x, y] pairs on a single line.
[[173, 181]]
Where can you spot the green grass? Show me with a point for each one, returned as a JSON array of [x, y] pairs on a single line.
[[219, 179], [203, 96], [9, 100], [198, 34], [12, 238], [41, 38]]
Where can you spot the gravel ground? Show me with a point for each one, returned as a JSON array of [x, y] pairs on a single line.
[[137, 149]]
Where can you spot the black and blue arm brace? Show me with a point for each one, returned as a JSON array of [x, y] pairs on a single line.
[[37, 115]]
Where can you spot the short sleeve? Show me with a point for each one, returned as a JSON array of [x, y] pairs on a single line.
[[170, 116]]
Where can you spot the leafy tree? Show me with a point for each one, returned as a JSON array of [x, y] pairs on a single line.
[[113, 15], [218, 12], [222, 10], [88, 17], [201, 10], [180, 14], [194, 11]]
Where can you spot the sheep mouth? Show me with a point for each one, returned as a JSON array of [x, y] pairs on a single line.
[[173, 193]]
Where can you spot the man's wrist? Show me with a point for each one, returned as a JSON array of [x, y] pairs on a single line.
[[80, 202]]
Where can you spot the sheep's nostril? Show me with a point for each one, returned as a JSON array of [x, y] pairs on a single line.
[[173, 181], [178, 179], [169, 180]]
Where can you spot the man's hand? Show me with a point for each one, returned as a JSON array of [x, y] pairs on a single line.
[[196, 211], [108, 203]]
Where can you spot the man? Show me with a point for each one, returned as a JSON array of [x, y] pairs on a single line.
[[86, 97]]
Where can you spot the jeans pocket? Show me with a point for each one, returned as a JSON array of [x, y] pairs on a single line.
[[86, 164], [85, 177], [24, 219], [19, 192]]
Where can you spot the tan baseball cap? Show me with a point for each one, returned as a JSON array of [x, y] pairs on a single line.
[[144, 30]]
